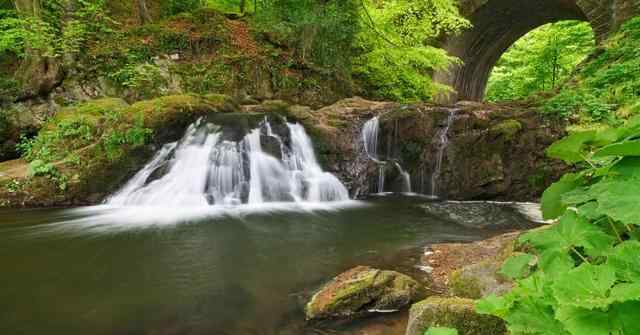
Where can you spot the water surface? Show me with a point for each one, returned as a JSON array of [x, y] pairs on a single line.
[[185, 271]]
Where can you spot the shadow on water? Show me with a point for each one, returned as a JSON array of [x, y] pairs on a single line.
[[104, 271]]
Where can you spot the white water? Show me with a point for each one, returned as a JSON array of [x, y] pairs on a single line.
[[203, 169], [442, 138], [370, 137], [370, 131]]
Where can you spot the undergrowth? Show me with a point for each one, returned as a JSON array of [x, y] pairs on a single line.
[[581, 276], [61, 143], [607, 87]]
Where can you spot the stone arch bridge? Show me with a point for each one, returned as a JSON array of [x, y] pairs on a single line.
[[497, 24]]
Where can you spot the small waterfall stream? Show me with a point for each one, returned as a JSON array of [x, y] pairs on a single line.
[[370, 133], [204, 169], [442, 141]]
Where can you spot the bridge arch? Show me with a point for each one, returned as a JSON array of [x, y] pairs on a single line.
[[497, 24]]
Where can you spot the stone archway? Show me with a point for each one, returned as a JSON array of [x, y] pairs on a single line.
[[497, 24]]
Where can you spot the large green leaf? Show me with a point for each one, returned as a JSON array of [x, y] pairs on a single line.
[[441, 331], [628, 167], [610, 135], [581, 321], [625, 318], [555, 263], [586, 286], [625, 292], [517, 266], [552, 206], [621, 201], [572, 231], [625, 260], [629, 148], [494, 305], [533, 316], [571, 148]]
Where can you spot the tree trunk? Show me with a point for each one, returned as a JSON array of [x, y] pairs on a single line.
[[143, 12], [39, 74], [243, 5]]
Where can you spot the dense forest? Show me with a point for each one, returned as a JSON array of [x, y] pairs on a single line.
[[579, 275]]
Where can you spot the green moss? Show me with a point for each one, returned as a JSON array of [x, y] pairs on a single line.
[[89, 149], [455, 313], [508, 129], [461, 285]]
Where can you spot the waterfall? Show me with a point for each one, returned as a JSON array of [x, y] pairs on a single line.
[[370, 137], [370, 131], [442, 141], [204, 169]]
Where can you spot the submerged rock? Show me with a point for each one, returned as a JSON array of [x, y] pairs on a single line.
[[364, 290], [458, 313]]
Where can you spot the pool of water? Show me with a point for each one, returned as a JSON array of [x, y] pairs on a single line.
[[217, 271]]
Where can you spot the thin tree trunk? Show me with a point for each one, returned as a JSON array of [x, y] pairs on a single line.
[[38, 73], [143, 12], [243, 5]]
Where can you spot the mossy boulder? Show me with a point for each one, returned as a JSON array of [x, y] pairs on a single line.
[[458, 313], [483, 278], [478, 280], [363, 290]]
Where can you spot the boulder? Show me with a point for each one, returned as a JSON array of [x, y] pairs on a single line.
[[479, 280], [458, 313], [364, 290]]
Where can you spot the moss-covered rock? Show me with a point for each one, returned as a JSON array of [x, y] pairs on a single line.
[[363, 290], [455, 313], [507, 128], [478, 280]]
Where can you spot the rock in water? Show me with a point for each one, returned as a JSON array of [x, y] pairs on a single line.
[[364, 290], [455, 313]]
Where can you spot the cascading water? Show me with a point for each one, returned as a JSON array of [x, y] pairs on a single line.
[[442, 140], [370, 131], [204, 169]]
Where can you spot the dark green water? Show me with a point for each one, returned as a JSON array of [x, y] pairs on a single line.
[[238, 273]]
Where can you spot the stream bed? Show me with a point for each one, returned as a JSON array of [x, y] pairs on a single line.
[[245, 270]]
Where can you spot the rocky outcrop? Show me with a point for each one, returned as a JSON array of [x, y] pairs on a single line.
[[363, 290], [455, 313], [491, 151]]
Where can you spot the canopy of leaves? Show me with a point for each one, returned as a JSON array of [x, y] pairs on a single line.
[[607, 87], [541, 60], [395, 56]]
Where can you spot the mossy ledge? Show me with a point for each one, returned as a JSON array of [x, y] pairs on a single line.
[[86, 151]]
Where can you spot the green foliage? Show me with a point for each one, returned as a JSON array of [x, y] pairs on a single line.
[[100, 123], [144, 79], [541, 60], [607, 88], [39, 168], [321, 33], [441, 331], [396, 59], [173, 7], [582, 275], [57, 31]]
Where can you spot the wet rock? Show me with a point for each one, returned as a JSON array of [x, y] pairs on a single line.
[[363, 290], [479, 280], [455, 313]]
